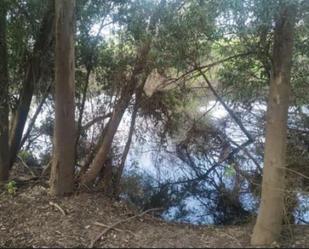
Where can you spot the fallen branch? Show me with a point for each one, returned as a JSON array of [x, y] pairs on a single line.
[[114, 228], [58, 207], [120, 222], [26, 166]]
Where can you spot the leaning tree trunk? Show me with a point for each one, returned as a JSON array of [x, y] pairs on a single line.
[[35, 116], [111, 129], [125, 153], [64, 132], [4, 107], [123, 102], [33, 73], [270, 217], [117, 115]]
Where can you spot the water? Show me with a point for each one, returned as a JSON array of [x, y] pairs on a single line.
[[163, 165]]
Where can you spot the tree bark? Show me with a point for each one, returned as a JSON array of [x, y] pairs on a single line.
[[90, 156], [270, 216], [33, 74], [4, 106], [61, 180]]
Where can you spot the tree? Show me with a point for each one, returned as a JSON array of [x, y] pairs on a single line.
[[269, 221], [64, 132], [33, 73], [139, 75], [4, 107], [128, 143]]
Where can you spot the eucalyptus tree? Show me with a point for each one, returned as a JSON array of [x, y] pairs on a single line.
[[252, 28], [270, 217], [62, 171]]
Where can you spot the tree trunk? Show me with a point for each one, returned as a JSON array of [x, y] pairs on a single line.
[[270, 217], [34, 118], [81, 111], [33, 74], [20, 115], [91, 154], [125, 97], [128, 144], [61, 181], [119, 110], [4, 107], [111, 129]]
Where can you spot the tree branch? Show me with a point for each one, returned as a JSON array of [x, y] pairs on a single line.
[[96, 120], [230, 112]]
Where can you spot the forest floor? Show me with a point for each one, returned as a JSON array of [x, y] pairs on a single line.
[[31, 218]]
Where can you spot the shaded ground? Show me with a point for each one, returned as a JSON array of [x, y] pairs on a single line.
[[29, 219]]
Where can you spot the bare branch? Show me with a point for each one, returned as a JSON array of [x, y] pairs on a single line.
[[120, 222], [96, 120]]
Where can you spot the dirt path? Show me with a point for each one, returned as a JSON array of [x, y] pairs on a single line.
[[30, 219]]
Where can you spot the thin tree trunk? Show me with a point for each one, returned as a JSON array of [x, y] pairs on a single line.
[[81, 110], [270, 217], [227, 108], [127, 147], [33, 74], [61, 180], [4, 107], [89, 66], [36, 114], [20, 115]]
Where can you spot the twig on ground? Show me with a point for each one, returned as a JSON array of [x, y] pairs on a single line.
[[118, 223], [114, 228], [58, 207]]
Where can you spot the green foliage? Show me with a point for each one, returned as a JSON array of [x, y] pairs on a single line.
[[11, 187], [24, 155], [229, 171], [24, 19], [28, 158]]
